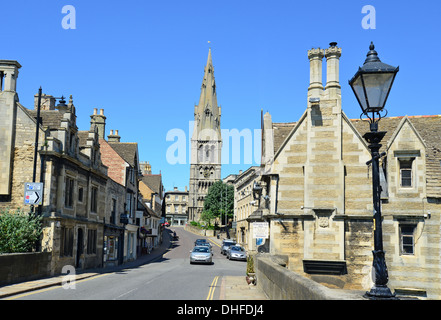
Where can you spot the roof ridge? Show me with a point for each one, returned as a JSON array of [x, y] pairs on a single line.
[[401, 117]]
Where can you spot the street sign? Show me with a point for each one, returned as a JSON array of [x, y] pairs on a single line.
[[260, 230], [33, 194]]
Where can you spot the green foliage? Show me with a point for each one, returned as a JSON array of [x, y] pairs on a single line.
[[219, 202], [18, 231], [250, 264]]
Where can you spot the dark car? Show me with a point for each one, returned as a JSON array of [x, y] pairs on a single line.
[[202, 242], [226, 243]]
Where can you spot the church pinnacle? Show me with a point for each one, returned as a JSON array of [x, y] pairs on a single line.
[[207, 112]]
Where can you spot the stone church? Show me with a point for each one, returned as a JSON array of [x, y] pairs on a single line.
[[206, 144]]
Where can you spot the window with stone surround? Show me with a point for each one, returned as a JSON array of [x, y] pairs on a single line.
[[80, 194], [407, 239], [68, 192], [406, 173], [66, 239], [94, 200], [91, 241]]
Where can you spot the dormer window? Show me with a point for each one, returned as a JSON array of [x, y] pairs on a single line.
[[406, 173], [406, 168]]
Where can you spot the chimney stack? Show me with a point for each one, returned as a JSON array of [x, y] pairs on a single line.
[[332, 55], [315, 57], [113, 137], [99, 120]]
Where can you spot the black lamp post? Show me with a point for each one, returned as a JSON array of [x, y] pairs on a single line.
[[371, 85]]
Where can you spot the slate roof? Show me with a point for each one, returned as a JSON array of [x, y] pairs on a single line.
[[281, 131], [127, 151], [49, 118], [153, 181], [82, 137], [428, 127]]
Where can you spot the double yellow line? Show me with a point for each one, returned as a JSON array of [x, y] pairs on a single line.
[[212, 288]]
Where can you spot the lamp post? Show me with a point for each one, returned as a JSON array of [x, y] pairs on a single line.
[[371, 85]]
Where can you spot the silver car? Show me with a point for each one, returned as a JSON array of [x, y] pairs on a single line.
[[201, 254], [236, 253], [226, 244]]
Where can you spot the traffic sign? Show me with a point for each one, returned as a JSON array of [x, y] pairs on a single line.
[[33, 194]]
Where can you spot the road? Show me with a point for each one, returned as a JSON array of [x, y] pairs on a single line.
[[169, 278]]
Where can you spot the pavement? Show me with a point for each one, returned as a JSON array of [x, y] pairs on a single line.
[[232, 287]]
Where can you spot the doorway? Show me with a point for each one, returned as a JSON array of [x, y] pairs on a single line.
[[80, 247]]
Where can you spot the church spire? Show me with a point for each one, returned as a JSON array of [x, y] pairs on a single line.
[[207, 113]]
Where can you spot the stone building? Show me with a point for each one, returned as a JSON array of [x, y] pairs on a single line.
[[122, 161], [245, 207], [83, 199], [151, 190], [320, 194], [206, 143], [68, 164], [176, 207]]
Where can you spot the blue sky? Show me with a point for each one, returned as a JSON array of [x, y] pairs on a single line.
[[142, 61]]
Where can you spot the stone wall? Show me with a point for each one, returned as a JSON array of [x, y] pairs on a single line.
[[280, 283], [18, 267]]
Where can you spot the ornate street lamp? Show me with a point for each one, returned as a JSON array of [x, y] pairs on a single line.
[[257, 191], [371, 85]]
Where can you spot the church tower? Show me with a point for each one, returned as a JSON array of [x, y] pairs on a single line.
[[206, 144]]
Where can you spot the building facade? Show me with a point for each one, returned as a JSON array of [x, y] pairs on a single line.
[[122, 161], [206, 143], [176, 207], [68, 163], [245, 206], [83, 198], [320, 191], [151, 190]]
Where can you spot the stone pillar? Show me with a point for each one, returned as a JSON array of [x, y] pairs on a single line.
[[8, 112]]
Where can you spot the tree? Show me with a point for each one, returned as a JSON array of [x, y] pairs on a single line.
[[19, 231], [219, 202]]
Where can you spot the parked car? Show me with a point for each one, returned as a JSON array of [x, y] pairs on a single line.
[[226, 243], [202, 242], [201, 254], [237, 253]]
